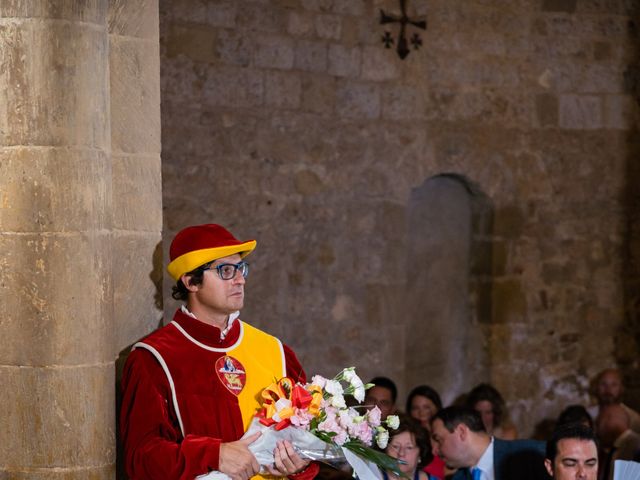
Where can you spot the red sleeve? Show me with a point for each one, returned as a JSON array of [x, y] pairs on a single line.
[[153, 443], [294, 369]]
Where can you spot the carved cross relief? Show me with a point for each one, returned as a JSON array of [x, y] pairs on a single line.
[[404, 20]]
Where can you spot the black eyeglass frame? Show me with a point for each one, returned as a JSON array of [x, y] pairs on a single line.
[[242, 266]]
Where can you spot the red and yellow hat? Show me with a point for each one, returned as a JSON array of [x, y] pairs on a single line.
[[200, 244]]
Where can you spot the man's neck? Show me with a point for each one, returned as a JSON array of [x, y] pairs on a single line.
[[481, 442], [215, 319]]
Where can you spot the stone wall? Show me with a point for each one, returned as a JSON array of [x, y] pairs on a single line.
[[289, 122], [80, 218]]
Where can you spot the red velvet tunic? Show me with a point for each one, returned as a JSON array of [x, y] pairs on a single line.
[[153, 443]]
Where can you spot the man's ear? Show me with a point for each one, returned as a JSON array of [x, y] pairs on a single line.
[[187, 281], [462, 431], [549, 466]]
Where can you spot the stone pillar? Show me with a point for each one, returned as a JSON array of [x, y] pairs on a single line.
[[134, 62], [61, 237]]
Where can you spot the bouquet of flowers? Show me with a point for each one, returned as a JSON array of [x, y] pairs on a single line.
[[316, 420]]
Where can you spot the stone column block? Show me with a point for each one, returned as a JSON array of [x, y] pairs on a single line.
[[137, 193], [53, 83], [100, 472], [50, 416], [138, 271], [134, 19], [135, 95], [72, 10], [56, 298], [54, 190]]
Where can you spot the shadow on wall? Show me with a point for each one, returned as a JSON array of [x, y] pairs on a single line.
[[628, 338], [156, 278]]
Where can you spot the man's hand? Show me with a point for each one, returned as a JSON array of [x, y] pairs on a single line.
[[286, 460], [236, 460]]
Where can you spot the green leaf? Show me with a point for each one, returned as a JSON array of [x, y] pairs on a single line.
[[381, 459]]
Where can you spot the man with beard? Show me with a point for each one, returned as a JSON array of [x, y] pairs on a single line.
[[608, 389]]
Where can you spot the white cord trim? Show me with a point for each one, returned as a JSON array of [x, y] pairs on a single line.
[[164, 366], [284, 361], [207, 347]]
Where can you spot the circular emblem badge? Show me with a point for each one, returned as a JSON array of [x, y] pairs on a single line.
[[231, 373]]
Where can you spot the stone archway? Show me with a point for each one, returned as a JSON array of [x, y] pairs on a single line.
[[448, 285]]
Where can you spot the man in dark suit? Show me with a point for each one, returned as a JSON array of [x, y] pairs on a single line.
[[460, 439]]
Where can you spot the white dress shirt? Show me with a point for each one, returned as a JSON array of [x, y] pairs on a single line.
[[485, 464]]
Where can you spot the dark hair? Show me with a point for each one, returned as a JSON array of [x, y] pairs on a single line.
[[424, 391], [179, 291], [453, 416], [485, 391], [387, 383], [411, 425], [574, 414], [569, 430]]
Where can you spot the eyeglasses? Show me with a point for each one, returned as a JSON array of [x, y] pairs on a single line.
[[227, 271], [408, 449]]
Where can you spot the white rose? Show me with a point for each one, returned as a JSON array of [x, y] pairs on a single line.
[[393, 421], [382, 439]]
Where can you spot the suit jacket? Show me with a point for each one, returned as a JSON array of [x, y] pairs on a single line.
[[514, 460]]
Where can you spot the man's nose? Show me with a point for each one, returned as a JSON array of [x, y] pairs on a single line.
[[435, 451], [238, 277]]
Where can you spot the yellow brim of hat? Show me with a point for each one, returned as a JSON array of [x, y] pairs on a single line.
[[192, 260]]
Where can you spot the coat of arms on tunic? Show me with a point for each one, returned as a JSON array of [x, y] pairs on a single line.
[[231, 373]]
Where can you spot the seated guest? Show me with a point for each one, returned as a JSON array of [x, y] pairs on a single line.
[[608, 388], [575, 414], [383, 395], [617, 440], [423, 403], [459, 438], [410, 445], [488, 402], [572, 453]]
